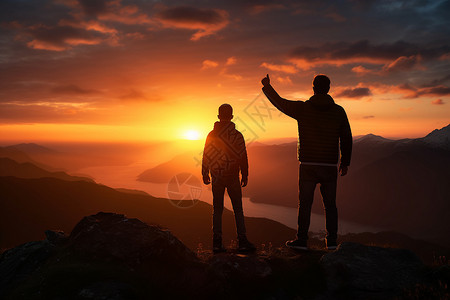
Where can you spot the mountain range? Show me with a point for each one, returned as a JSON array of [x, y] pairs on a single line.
[[35, 200], [9, 167]]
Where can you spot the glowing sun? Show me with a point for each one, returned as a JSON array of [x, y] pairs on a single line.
[[192, 135]]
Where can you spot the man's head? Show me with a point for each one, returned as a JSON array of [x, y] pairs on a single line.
[[321, 84], [225, 112]]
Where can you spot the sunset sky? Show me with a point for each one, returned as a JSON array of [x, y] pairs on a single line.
[[112, 70]]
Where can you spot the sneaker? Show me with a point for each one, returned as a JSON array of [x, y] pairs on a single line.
[[245, 246], [219, 249], [218, 246], [297, 244], [331, 244]]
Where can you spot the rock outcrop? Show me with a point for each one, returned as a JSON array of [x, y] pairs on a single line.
[[108, 256], [376, 272]]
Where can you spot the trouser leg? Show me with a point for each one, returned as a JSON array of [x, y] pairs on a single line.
[[306, 198], [328, 191], [235, 193], [218, 190]]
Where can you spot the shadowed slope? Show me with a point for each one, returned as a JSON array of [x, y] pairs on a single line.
[[31, 206]]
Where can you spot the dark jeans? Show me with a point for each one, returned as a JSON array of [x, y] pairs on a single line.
[[233, 186], [309, 176]]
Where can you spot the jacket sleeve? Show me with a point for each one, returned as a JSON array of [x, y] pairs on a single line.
[[243, 161], [346, 140], [288, 107], [206, 160]]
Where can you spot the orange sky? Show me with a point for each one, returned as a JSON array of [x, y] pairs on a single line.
[[133, 70]]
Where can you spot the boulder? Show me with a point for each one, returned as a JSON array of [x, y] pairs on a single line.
[[355, 270], [106, 256], [110, 236], [18, 263]]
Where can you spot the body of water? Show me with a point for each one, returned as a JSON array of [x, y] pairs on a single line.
[[125, 177]]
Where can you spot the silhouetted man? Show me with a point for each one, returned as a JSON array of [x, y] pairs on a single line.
[[224, 156], [323, 128]]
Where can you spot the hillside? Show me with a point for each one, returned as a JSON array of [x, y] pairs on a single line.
[[31, 206], [406, 191], [21, 157], [9, 167], [72, 156], [162, 173]]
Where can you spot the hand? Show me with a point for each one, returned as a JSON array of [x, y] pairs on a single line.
[[343, 170], [266, 80], [244, 181], [206, 180]]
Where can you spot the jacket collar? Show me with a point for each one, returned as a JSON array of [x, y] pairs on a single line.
[[321, 101], [222, 125]]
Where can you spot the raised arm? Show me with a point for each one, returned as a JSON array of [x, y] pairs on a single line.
[[288, 107]]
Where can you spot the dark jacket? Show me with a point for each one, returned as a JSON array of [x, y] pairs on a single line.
[[323, 127], [225, 153]]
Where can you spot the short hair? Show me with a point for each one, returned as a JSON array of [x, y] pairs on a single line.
[[321, 84], [225, 111]]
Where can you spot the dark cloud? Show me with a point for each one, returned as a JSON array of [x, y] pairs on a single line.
[[354, 93], [344, 50], [59, 38], [436, 90], [439, 81], [71, 89], [139, 96], [133, 94], [403, 63], [438, 102], [192, 15], [366, 51], [415, 92], [407, 86], [368, 117], [93, 7], [206, 21], [37, 113], [265, 7], [31, 12]]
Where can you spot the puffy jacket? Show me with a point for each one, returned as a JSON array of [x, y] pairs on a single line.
[[224, 153], [323, 127]]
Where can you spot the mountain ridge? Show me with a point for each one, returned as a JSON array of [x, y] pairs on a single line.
[[9, 167], [37, 204]]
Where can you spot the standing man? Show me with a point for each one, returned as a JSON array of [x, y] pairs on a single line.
[[224, 156], [323, 130]]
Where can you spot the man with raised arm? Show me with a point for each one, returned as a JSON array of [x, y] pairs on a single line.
[[324, 141]]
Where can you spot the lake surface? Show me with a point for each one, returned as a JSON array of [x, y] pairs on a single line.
[[125, 177]]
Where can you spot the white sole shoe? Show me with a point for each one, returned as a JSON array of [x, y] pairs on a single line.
[[296, 247]]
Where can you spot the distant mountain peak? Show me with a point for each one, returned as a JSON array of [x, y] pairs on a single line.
[[33, 148], [439, 138], [373, 138]]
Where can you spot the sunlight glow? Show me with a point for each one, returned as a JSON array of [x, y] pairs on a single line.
[[192, 135]]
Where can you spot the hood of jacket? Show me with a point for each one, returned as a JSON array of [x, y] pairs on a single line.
[[321, 101], [219, 126]]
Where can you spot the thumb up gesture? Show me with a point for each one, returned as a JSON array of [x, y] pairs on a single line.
[[266, 80]]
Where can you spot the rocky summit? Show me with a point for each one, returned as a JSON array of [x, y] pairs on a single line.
[[109, 256]]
